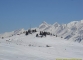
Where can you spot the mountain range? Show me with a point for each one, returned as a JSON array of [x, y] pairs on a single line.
[[72, 31]]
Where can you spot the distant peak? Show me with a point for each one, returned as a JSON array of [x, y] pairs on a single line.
[[55, 23], [44, 22], [82, 21], [73, 22], [43, 25]]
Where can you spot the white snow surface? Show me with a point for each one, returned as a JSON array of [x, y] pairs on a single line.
[[22, 47]]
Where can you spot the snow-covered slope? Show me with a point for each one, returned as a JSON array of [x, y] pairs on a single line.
[[22, 47], [16, 45], [71, 31], [10, 34]]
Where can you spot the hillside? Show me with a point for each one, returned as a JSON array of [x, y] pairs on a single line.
[[22, 47]]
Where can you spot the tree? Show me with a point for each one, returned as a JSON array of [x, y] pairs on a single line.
[[2, 37], [35, 30], [56, 35], [26, 33], [29, 31], [40, 33], [36, 35], [44, 34]]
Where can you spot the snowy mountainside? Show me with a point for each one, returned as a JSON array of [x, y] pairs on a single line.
[[44, 26], [30, 47], [10, 34], [71, 31]]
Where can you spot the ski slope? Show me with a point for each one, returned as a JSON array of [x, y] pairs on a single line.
[[22, 47]]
